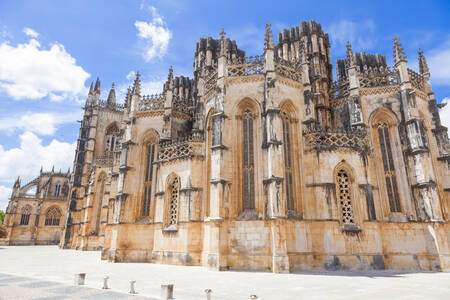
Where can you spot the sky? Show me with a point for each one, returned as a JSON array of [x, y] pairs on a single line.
[[50, 52]]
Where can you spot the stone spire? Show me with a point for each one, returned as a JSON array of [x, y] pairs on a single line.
[[399, 54], [350, 55], [222, 42], [91, 88], [112, 96], [17, 183], [97, 86], [137, 85], [170, 79], [268, 40], [423, 66]]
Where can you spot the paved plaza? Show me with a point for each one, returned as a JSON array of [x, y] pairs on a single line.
[[45, 272]]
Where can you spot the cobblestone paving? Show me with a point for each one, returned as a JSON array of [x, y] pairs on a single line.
[[27, 288]]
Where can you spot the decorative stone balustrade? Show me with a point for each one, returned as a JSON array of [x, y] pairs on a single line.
[[183, 147], [417, 80], [105, 160], [152, 102], [326, 139], [376, 78], [113, 107], [247, 66], [182, 105]]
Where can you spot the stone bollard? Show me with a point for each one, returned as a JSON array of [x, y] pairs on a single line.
[[208, 294], [253, 297], [79, 278], [132, 291], [166, 291], [105, 283]]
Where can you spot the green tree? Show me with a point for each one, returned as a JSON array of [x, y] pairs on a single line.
[[2, 216]]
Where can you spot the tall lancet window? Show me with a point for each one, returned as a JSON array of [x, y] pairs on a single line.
[[288, 164], [345, 192], [25, 218], [148, 178], [112, 142], [248, 161], [173, 191], [388, 167]]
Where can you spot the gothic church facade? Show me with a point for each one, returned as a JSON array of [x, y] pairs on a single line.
[[267, 163]]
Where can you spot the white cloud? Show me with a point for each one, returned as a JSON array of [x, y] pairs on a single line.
[[5, 193], [360, 35], [445, 113], [44, 123], [439, 63], [27, 159], [131, 75], [30, 32], [155, 34], [29, 72]]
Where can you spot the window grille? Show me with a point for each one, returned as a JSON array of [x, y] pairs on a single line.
[[174, 187], [25, 218], [389, 168], [248, 165], [344, 188], [112, 141], [288, 160], [149, 157], [52, 217]]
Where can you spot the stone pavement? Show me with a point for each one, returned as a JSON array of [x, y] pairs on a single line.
[[27, 288], [30, 272]]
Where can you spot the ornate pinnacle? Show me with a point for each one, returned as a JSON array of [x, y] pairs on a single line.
[[399, 54], [222, 34], [423, 66], [268, 44], [97, 86], [91, 88], [137, 85], [112, 95], [350, 56], [222, 42]]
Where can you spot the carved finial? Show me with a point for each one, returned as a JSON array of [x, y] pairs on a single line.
[[91, 88], [17, 183], [68, 170], [268, 37], [53, 169], [222, 34], [350, 56], [97, 86], [41, 170], [137, 85], [112, 96], [399, 54], [170, 79], [423, 66]]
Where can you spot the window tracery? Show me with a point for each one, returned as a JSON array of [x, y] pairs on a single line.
[[388, 167], [25, 218], [288, 164], [52, 217], [248, 161], [174, 191], [345, 200], [112, 141], [148, 178]]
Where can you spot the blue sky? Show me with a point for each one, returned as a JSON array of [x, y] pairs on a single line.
[[50, 51]]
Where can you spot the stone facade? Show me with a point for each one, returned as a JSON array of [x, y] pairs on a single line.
[[266, 163], [36, 211]]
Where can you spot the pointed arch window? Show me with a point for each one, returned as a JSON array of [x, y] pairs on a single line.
[[25, 217], [112, 141], [345, 198], [173, 192], [248, 167], [52, 217], [288, 163], [57, 190], [388, 167], [148, 178]]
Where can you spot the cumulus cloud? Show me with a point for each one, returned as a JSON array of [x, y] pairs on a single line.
[[28, 71], [30, 32], [44, 123], [5, 193], [360, 34], [445, 113], [27, 159], [155, 34]]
